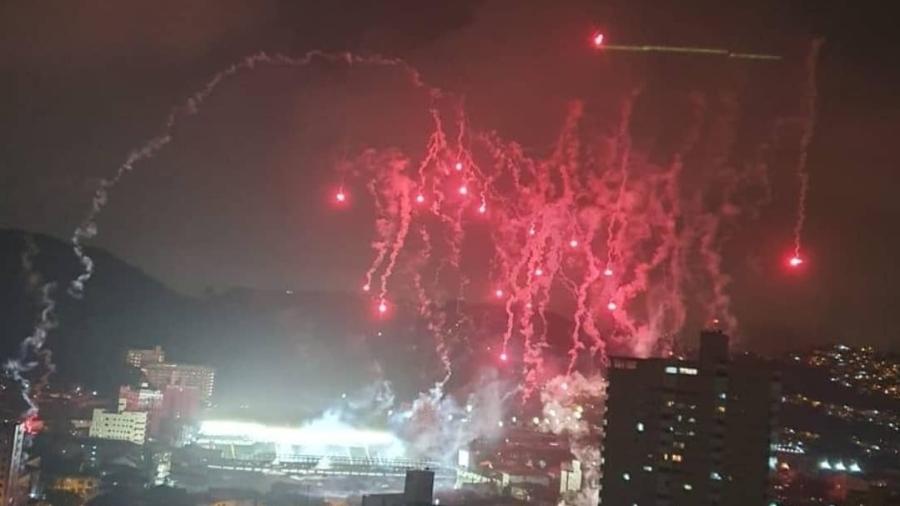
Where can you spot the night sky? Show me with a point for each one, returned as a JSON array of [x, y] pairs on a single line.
[[241, 196]]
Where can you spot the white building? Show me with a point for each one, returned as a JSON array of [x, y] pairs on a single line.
[[126, 426]]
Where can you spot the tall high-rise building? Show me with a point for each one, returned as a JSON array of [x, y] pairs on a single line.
[[689, 433], [140, 358], [199, 376], [13, 482]]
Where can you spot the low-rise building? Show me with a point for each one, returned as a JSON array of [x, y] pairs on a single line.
[[126, 426]]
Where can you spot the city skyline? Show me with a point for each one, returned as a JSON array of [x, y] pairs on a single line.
[[819, 308]]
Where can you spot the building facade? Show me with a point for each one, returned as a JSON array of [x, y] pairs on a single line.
[[128, 426], [12, 440], [143, 399], [140, 358], [201, 377], [689, 433], [85, 487]]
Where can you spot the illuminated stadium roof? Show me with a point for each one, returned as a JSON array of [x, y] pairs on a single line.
[[322, 437]]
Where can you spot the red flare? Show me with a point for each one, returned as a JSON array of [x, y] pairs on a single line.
[[463, 190], [458, 166], [382, 307], [597, 39], [608, 272], [573, 243], [482, 209], [498, 293], [340, 196], [420, 198], [795, 261], [366, 287], [504, 357], [33, 425], [539, 272], [612, 306]]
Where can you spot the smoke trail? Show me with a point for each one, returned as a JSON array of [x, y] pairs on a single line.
[[623, 152], [31, 351], [89, 227], [809, 127], [435, 318]]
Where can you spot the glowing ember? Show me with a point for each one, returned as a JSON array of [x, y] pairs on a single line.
[[597, 39], [482, 209], [366, 288], [340, 196], [608, 272], [504, 357], [539, 272], [498, 293], [420, 198], [382, 307], [458, 166], [612, 306], [795, 261], [463, 190], [573, 243]]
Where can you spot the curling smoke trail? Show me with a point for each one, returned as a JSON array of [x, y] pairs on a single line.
[[89, 227], [809, 128], [31, 351]]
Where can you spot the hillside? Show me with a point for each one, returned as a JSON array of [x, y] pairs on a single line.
[[268, 347]]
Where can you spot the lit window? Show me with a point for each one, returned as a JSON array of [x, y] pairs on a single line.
[[676, 457], [640, 427], [671, 370], [649, 469], [715, 476], [687, 486], [687, 370], [626, 476]]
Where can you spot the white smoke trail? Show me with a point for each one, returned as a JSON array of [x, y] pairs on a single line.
[[808, 130], [89, 227], [31, 351]]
